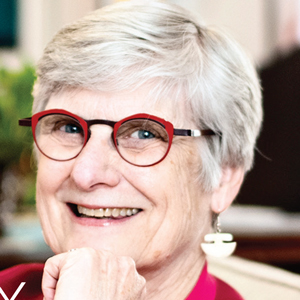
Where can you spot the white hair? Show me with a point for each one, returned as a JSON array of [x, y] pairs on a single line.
[[128, 44]]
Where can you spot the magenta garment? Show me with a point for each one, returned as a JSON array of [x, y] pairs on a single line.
[[11, 278], [208, 287]]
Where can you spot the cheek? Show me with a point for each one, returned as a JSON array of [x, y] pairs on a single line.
[[192, 204], [173, 184], [185, 170], [50, 176]]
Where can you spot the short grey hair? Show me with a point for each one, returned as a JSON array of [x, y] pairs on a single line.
[[128, 44]]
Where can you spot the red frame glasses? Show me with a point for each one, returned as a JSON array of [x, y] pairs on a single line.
[[86, 124]]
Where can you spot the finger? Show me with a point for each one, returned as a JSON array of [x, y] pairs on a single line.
[[51, 275], [128, 266]]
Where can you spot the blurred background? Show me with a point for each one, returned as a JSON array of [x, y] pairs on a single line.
[[266, 216]]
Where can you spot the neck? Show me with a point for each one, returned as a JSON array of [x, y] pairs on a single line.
[[176, 279]]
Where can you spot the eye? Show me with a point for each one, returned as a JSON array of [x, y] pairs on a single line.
[[71, 128], [143, 134]]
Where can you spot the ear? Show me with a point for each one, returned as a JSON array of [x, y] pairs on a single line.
[[229, 187]]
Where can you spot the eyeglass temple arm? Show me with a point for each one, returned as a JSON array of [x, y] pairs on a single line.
[[196, 132], [25, 122]]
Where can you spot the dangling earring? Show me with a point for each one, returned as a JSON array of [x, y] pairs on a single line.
[[218, 244]]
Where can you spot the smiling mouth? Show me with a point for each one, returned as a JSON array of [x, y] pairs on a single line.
[[103, 213]]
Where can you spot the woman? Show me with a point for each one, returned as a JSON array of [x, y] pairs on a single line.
[[130, 196]]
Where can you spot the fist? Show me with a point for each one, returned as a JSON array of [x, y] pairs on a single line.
[[91, 275]]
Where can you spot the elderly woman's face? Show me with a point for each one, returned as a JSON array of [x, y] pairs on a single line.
[[173, 213]]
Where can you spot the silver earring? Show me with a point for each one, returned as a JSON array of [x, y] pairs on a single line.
[[218, 244]]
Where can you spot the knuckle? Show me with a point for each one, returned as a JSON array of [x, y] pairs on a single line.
[[127, 262]]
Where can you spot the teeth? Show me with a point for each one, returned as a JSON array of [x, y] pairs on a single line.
[[115, 212], [123, 212], [107, 212], [98, 212]]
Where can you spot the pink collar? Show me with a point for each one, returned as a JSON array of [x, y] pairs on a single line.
[[205, 288]]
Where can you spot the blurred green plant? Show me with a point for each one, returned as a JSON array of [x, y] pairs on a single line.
[[16, 142]]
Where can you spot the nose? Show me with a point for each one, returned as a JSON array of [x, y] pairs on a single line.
[[97, 164]]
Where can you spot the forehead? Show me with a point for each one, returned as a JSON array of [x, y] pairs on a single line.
[[118, 105]]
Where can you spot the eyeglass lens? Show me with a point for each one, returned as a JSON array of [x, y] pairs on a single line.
[[141, 142]]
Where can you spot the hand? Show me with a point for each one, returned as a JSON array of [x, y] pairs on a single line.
[[91, 275]]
